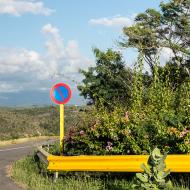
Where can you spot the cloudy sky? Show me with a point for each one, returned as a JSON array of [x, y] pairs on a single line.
[[45, 42]]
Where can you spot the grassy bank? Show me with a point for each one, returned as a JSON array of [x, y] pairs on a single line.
[[27, 173], [27, 169], [35, 121]]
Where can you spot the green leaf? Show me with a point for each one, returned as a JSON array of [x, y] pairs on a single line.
[[145, 168], [142, 177]]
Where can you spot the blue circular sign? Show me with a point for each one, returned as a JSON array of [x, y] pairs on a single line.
[[60, 93]]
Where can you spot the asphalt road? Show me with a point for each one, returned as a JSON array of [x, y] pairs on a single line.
[[11, 153]]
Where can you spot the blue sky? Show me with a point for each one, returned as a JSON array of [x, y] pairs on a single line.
[[45, 42]]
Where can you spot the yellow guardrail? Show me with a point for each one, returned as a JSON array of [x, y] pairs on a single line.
[[127, 163]]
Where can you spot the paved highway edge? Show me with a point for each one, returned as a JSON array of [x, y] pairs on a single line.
[[24, 140], [9, 169]]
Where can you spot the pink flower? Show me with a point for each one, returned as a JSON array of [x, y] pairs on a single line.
[[81, 133], [184, 132], [109, 143], [109, 146]]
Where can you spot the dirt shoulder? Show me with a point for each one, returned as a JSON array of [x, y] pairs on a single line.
[[25, 140]]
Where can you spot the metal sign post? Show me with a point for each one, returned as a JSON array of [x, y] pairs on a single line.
[[61, 94], [61, 127]]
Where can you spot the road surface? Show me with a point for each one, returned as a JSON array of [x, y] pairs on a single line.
[[11, 153]]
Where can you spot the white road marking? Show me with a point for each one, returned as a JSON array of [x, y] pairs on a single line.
[[22, 147], [16, 148]]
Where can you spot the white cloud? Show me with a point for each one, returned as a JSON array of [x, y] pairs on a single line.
[[26, 69], [74, 59], [165, 55], [65, 58], [116, 21], [20, 60], [6, 87], [54, 44], [19, 7]]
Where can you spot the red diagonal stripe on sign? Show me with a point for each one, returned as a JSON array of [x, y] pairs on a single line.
[[59, 90]]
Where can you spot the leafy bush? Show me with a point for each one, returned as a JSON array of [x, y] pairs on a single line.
[[108, 83], [157, 115]]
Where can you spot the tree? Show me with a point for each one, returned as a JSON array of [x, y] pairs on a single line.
[[167, 28], [108, 83]]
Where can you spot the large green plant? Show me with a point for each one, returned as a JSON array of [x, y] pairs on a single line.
[[154, 173]]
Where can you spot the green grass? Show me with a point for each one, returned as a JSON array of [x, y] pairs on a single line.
[[35, 121], [26, 172]]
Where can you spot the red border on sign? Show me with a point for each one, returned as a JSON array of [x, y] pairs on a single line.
[[56, 86]]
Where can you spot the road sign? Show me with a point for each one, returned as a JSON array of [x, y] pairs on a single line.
[[60, 93]]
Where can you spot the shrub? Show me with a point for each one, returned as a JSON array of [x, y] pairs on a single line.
[[154, 174], [157, 115]]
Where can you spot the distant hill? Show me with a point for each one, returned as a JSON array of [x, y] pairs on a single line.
[[35, 121]]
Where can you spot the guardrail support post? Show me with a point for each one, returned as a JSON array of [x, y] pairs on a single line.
[[55, 177]]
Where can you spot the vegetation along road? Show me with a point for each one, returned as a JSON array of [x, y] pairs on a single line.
[[11, 153]]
